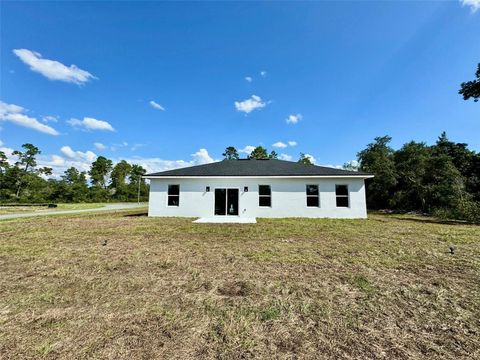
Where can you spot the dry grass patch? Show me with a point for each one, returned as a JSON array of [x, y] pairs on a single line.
[[125, 286]]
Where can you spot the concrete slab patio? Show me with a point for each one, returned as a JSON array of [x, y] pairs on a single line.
[[225, 220]]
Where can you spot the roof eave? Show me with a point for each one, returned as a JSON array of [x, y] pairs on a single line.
[[354, 176]]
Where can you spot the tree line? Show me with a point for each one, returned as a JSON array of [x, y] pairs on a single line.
[[26, 182], [259, 152], [442, 179]]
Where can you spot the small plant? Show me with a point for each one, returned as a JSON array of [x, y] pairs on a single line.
[[362, 283], [44, 348], [270, 313]]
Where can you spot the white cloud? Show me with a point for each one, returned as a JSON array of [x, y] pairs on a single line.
[[59, 164], [351, 165], [10, 108], [14, 114], [49, 118], [285, 157], [201, 157], [83, 160], [248, 78], [292, 143], [157, 106], [293, 119], [280, 145], [52, 69], [248, 105], [247, 149], [263, 73], [91, 124], [99, 146], [157, 164], [78, 155], [474, 4]]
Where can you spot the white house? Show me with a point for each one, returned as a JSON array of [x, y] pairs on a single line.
[[249, 188]]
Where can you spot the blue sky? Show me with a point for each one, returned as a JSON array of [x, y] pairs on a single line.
[[328, 76]]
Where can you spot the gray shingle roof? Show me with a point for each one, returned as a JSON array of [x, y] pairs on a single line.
[[250, 167]]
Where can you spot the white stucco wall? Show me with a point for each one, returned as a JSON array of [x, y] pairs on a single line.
[[288, 197]]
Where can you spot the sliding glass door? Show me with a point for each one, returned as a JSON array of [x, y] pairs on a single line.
[[226, 202]]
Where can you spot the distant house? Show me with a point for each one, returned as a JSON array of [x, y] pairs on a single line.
[[258, 188]]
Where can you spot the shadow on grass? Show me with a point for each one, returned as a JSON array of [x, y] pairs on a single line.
[[139, 214]]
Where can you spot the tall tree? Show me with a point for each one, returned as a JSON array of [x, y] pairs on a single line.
[[471, 89], [443, 184], [118, 178], [99, 172], [378, 159], [120, 173], [410, 165], [231, 153], [26, 164], [136, 182], [73, 187], [259, 153], [4, 165], [305, 159]]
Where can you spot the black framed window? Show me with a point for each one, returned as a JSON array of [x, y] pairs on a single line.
[[313, 196], [341, 193], [264, 195], [173, 195]]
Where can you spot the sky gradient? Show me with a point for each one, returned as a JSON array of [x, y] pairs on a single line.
[[173, 84]]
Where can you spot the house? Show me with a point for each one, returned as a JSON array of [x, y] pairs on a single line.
[[249, 188]]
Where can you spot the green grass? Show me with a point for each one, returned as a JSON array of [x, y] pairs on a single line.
[[382, 288]]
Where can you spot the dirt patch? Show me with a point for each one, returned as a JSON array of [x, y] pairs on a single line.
[[236, 288]]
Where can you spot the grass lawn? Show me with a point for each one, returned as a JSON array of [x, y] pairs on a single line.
[[25, 209], [382, 288]]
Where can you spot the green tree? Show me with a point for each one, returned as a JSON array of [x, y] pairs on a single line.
[[73, 187], [4, 165], [231, 153], [410, 165], [259, 153], [443, 184], [26, 164], [304, 159], [118, 177], [273, 155], [120, 173], [471, 89], [100, 171], [378, 159], [136, 181]]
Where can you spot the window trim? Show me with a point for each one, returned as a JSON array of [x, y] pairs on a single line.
[[342, 196], [312, 196], [265, 196], [178, 196]]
